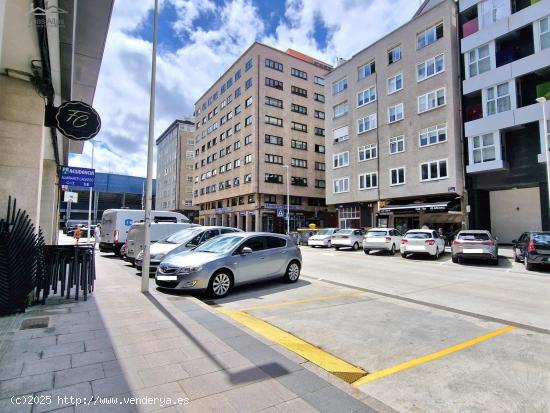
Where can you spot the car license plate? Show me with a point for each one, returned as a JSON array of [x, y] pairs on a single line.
[[416, 248], [472, 251], [167, 277]]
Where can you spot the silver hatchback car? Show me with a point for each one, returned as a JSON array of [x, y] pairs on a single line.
[[229, 260]]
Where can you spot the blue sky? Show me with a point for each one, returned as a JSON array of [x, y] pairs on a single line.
[[198, 41]]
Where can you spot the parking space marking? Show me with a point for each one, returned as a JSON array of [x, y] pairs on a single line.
[[340, 368], [304, 300], [430, 357]]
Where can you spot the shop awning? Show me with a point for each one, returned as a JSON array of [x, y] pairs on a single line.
[[412, 208]]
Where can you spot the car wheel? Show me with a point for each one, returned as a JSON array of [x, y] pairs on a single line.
[[220, 284], [528, 265], [366, 251], [329, 244], [392, 250], [455, 259], [516, 258], [494, 261], [403, 255], [337, 248], [292, 272], [355, 246]]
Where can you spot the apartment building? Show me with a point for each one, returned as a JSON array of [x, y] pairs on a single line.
[[394, 147], [175, 156], [260, 134], [505, 46]]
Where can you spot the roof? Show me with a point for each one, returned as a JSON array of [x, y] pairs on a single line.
[[187, 120]]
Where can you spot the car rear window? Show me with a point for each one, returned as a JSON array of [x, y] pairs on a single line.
[[376, 233], [345, 231], [542, 238], [465, 236], [418, 235]]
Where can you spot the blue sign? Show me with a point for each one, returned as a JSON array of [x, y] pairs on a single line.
[[128, 222], [77, 176], [280, 212]]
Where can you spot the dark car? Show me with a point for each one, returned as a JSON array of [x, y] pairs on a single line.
[[532, 248]]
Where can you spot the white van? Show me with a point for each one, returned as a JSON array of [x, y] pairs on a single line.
[[115, 224], [160, 230]]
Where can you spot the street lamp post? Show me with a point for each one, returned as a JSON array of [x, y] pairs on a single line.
[[542, 101], [91, 192], [287, 199]]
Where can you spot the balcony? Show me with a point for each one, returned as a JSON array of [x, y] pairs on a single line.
[[532, 86], [518, 5], [514, 46], [473, 108], [469, 21]]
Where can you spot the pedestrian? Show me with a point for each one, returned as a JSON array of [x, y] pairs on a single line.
[[97, 234], [77, 234]]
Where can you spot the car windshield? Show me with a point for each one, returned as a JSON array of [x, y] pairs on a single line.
[[220, 244], [376, 233], [345, 231], [325, 232], [473, 236], [541, 238], [181, 237], [419, 235]]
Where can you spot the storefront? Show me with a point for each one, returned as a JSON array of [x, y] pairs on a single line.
[[355, 215]]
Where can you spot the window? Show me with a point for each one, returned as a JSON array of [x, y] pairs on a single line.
[[320, 166], [248, 158], [319, 148], [237, 127], [273, 120], [248, 102], [395, 113], [341, 109], [320, 183], [273, 83], [395, 83], [430, 67], [237, 75], [248, 139], [229, 82], [298, 163], [397, 144], [366, 70], [319, 131], [298, 73], [237, 145], [229, 115], [366, 152], [298, 91], [274, 65], [430, 171], [248, 65], [340, 185], [298, 126], [431, 100], [394, 55], [483, 148], [274, 178], [319, 114], [339, 160], [429, 36], [366, 96], [273, 159], [298, 144], [251, 199], [273, 102], [432, 135], [270, 199], [339, 86], [238, 92], [319, 81], [295, 200], [248, 178], [274, 140], [479, 61], [367, 123], [298, 181], [397, 176], [544, 33], [248, 120], [238, 109], [341, 134], [368, 181], [497, 99], [248, 84], [298, 109], [237, 163], [319, 98]]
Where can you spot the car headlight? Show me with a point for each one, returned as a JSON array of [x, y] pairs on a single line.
[[190, 269], [159, 256], [140, 255]]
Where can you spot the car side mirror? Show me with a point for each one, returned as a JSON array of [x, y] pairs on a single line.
[[514, 241], [246, 250]]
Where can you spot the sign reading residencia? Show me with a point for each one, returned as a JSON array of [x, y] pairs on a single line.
[[76, 120]]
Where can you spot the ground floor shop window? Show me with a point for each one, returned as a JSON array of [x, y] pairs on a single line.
[[349, 217]]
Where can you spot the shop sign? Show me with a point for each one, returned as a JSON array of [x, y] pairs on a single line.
[[223, 210], [76, 120], [71, 175]]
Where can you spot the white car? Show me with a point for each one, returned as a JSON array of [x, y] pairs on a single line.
[[351, 238], [322, 238], [388, 239], [422, 241]]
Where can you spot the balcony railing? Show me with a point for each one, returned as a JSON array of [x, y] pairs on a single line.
[[470, 27]]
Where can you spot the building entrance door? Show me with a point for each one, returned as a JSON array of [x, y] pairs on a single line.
[[403, 224]]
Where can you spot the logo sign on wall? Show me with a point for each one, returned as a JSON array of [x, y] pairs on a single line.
[[77, 176], [76, 120]]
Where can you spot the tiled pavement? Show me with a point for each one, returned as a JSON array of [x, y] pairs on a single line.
[[121, 344]]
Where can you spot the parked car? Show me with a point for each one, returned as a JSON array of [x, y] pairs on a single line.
[[229, 260], [182, 241], [322, 238], [387, 239], [352, 238], [532, 248], [475, 244], [422, 241]]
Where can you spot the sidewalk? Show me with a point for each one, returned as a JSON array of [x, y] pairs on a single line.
[[175, 350]]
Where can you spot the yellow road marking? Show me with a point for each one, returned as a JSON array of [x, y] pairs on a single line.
[[327, 361], [304, 300], [403, 366]]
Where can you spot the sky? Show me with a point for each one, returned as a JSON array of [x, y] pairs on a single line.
[[198, 41]]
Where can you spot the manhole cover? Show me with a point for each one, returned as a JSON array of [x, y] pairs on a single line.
[[37, 322]]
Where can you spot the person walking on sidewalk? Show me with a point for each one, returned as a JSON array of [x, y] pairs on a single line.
[[77, 234], [97, 235]]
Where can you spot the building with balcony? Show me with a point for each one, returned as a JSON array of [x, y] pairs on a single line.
[[260, 132], [505, 47], [394, 147], [175, 155]]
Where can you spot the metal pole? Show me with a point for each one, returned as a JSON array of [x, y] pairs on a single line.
[[542, 101], [149, 182], [287, 200], [90, 198]]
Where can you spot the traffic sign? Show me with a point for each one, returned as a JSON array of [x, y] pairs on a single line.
[[70, 197], [77, 176], [280, 212]]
